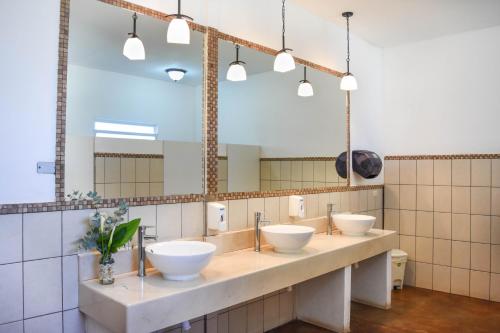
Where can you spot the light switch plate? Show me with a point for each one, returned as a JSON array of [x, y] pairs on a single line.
[[46, 168]]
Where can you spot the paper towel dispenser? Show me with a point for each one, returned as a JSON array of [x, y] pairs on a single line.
[[365, 163]]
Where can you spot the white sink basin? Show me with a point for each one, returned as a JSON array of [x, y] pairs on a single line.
[[287, 238], [353, 224], [180, 260]]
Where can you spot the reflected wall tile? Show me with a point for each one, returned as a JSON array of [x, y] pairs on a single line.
[[408, 197], [425, 172], [442, 252], [407, 222], [275, 170], [460, 226], [410, 273], [425, 225], [441, 276], [495, 258], [495, 287], [423, 249], [127, 190], [460, 172], [286, 170], [480, 200], [408, 172], [331, 172], [99, 170], [391, 171], [156, 170], [480, 228], [296, 172], [127, 170], [480, 285], [442, 199], [480, 257], [460, 254], [391, 196], [423, 275], [460, 281], [391, 219], [142, 170], [112, 191], [495, 229], [156, 189], [308, 171], [319, 171], [265, 170], [495, 201], [495, 173], [481, 172], [460, 199], [407, 244], [425, 198], [112, 170], [442, 225], [442, 172]]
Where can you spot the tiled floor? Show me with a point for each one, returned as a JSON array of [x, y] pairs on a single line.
[[418, 310]]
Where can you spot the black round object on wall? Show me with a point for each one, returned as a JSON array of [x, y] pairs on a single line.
[[366, 163], [340, 165]]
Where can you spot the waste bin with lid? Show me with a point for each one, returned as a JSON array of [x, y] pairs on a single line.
[[399, 259]]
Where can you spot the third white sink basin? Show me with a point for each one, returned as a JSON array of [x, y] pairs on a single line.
[[180, 260], [287, 238], [353, 224]]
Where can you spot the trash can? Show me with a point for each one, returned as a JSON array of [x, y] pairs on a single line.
[[399, 258]]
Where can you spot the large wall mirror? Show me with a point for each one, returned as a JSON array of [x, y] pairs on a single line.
[[133, 128], [269, 137]]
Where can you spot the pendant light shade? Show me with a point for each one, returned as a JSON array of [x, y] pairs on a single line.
[[178, 29], [133, 48], [284, 61], [236, 71], [348, 82], [176, 74], [305, 87]]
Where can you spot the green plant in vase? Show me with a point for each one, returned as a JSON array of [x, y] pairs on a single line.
[[106, 233]]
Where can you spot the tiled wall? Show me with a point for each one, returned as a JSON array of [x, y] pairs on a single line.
[[39, 266], [126, 177], [297, 174], [447, 212], [222, 175]]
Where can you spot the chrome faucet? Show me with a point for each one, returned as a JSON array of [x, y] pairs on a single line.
[[259, 220], [330, 210], [141, 235]]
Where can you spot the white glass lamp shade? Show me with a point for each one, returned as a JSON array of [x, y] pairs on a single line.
[[134, 49], [176, 75], [178, 32], [348, 83], [305, 89], [236, 72], [284, 62]]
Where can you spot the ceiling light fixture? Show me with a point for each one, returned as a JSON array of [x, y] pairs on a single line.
[[348, 80], [236, 70], [284, 61], [178, 29], [305, 87], [176, 74], [133, 48]]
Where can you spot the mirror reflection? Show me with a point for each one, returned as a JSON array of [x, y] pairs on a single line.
[[276, 131], [134, 105]]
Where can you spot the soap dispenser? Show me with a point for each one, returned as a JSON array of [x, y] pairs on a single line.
[[296, 206], [216, 217]]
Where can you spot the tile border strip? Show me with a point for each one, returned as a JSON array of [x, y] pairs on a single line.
[[128, 155], [442, 157], [298, 158]]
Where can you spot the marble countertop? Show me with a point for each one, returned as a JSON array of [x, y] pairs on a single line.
[[134, 304]]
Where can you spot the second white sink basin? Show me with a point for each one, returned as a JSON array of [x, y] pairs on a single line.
[[180, 260], [353, 224], [287, 238]]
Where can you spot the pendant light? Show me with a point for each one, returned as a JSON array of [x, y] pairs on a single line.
[[176, 74], [284, 61], [348, 80], [236, 70], [133, 48], [178, 29], [305, 87]]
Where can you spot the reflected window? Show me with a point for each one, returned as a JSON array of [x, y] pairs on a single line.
[[118, 130]]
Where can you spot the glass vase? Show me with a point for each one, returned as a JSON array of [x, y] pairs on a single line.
[[106, 276]]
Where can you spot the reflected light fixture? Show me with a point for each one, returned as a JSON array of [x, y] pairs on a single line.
[[133, 48], [236, 70], [305, 87], [176, 74], [178, 29], [284, 61], [348, 82]]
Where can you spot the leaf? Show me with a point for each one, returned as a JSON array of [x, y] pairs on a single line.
[[123, 234]]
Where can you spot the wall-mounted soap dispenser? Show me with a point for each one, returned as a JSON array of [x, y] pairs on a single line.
[[216, 217], [296, 206]]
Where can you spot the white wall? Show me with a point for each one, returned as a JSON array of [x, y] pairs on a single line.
[[442, 95]]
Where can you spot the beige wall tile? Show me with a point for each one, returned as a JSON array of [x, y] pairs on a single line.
[[442, 225], [481, 172], [271, 312], [425, 225], [307, 184], [323, 201], [127, 167], [495, 172], [460, 281], [407, 222], [11, 237], [142, 170], [272, 209], [255, 317], [408, 197], [169, 222], [480, 200], [296, 185], [460, 172], [192, 219], [99, 188], [391, 172], [265, 170], [296, 172], [423, 247], [156, 189], [425, 172], [42, 235], [480, 257], [286, 170], [354, 201], [222, 170], [391, 219], [147, 214], [363, 201], [127, 190], [308, 171], [112, 170], [407, 244], [391, 196], [284, 217], [495, 258], [311, 205], [238, 214], [410, 273], [423, 275], [156, 170], [254, 205], [99, 170], [495, 201], [331, 172], [275, 170], [495, 229], [480, 228], [441, 278], [319, 171], [442, 172], [408, 172], [111, 191], [495, 287], [319, 184], [460, 254], [442, 252], [480, 284], [275, 185], [442, 198], [265, 185], [425, 197], [460, 227], [460, 202], [141, 189]]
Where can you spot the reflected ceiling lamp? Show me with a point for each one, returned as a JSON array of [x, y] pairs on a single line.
[[305, 87], [284, 61], [178, 29], [133, 48], [176, 74], [236, 70], [348, 82]]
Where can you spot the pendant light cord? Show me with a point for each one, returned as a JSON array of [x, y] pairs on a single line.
[[348, 46], [283, 22], [179, 8], [134, 30], [237, 53]]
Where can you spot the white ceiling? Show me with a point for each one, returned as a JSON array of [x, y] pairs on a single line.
[[388, 23]]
